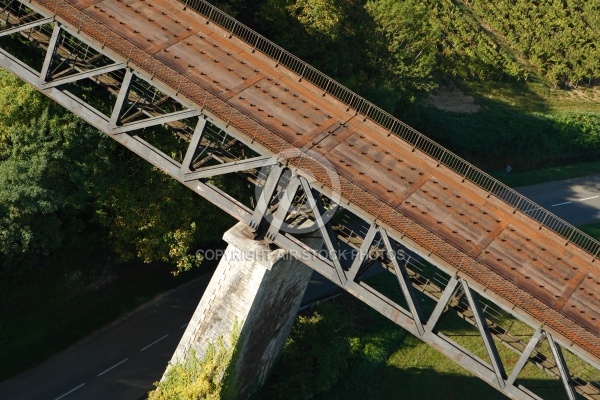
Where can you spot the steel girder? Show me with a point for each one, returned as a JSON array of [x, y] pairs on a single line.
[[280, 210]]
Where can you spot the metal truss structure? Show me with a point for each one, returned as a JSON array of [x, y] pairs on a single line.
[[202, 150]]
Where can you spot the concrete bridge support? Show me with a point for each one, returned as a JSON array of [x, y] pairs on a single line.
[[258, 288]]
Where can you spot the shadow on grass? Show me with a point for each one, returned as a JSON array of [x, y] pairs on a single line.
[[345, 350]]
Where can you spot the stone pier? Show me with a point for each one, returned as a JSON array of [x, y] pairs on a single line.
[[260, 290]]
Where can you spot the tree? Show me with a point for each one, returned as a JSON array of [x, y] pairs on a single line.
[[41, 184]]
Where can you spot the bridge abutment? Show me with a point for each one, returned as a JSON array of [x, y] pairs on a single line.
[[257, 289]]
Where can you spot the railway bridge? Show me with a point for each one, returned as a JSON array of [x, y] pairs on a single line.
[[334, 176]]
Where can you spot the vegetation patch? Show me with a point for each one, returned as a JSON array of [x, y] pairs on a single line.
[[209, 377], [346, 350]]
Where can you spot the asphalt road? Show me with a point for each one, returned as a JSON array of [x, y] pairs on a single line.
[[122, 360], [577, 201]]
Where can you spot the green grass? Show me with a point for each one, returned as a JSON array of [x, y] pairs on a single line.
[[69, 296], [592, 229], [534, 97], [346, 350], [557, 173]]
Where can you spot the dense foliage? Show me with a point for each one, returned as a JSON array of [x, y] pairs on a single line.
[[559, 38], [59, 177], [407, 46]]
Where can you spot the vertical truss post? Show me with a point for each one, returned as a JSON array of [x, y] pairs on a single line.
[[50, 52], [565, 375], [404, 281], [440, 307], [283, 207], [262, 204], [362, 252], [123, 93], [196, 138], [329, 238], [535, 339], [485, 334]]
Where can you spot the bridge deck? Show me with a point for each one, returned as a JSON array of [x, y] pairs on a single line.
[[406, 191]]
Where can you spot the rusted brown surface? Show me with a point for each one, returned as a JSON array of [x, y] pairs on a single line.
[[455, 221]]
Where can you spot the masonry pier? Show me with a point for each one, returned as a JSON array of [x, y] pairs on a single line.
[[260, 290]]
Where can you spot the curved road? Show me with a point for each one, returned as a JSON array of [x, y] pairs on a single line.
[[122, 360]]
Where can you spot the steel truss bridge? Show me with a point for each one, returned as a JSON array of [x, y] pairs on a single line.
[[235, 104]]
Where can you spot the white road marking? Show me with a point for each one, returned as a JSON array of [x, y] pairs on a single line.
[[69, 392], [184, 325], [569, 202], [114, 366], [153, 343]]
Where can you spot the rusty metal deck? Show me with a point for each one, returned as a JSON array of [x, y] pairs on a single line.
[[458, 223]]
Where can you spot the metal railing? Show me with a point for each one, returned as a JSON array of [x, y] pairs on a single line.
[[416, 139]]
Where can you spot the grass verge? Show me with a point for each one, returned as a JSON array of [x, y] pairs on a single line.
[[558, 173], [345, 349], [592, 229]]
